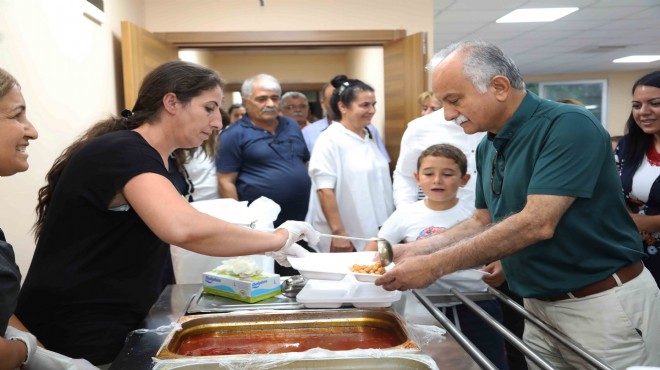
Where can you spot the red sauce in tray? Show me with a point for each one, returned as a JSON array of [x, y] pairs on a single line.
[[287, 340]]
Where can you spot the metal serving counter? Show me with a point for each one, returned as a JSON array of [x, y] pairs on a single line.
[[141, 346]]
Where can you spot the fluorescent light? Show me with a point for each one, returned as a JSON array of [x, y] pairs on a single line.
[[536, 15], [637, 59]]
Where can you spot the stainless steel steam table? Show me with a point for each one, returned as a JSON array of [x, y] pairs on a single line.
[[141, 346]]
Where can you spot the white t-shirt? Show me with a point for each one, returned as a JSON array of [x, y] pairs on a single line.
[[422, 133], [202, 173], [359, 174], [188, 265], [416, 221], [643, 180]]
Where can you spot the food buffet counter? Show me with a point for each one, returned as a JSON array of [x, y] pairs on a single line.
[[142, 345]]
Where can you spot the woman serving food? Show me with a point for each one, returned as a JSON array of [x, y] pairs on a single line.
[[109, 212]]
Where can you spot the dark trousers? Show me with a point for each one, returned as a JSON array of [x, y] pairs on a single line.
[[515, 322]]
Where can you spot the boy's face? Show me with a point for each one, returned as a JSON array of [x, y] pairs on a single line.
[[439, 178]]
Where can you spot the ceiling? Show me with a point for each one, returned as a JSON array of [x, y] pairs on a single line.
[[584, 41]]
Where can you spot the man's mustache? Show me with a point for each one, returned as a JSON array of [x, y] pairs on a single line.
[[460, 119], [269, 110]]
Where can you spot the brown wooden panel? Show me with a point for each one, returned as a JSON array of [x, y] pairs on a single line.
[[300, 86], [405, 78], [141, 52], [281, 38]]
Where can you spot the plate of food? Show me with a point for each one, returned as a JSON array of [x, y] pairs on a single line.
[[367, 273], [335, 266]]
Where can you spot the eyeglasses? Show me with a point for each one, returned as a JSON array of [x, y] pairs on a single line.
[[292, 106], [497, 173]]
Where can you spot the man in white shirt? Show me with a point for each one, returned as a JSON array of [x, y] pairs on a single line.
[[421, 133]]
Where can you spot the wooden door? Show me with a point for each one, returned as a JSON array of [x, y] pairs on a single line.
[[405, 78], [141, 52]]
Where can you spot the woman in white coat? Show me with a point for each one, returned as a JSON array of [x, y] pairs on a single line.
[[351, 185]]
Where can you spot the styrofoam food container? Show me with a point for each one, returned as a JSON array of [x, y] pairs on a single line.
[[332, 294], [334, 266], [465, 275], [365, 278]]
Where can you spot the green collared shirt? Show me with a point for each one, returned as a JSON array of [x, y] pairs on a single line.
[[558, 149]]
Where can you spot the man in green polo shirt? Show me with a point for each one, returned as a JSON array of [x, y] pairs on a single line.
[[549, 205]]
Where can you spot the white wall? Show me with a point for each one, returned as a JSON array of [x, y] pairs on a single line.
[[366, 64], [619, 93], [199, 56], [299, 15], [289, 15], [286, 67], [69, 68]]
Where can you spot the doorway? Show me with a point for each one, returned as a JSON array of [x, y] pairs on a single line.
[[404, 59]]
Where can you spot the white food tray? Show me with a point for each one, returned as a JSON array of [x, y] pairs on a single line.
[[465, 275], [333, 294], [334, 266]]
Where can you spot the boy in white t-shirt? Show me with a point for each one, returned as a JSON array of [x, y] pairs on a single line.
[[441, 171]]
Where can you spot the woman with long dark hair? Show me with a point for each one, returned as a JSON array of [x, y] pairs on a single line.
[[109, 211], [638, 156]]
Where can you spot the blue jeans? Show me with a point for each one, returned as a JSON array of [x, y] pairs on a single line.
[[485, 338]]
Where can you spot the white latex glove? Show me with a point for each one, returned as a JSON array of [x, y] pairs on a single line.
[[281, 256], [299, 230], [44, 359], [25, 337]]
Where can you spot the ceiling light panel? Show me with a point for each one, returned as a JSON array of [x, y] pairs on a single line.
[[536, 15], [637, 59]]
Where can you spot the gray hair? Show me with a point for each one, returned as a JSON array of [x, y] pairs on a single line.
[[482, 62], [322, 91], [7, 82], [267, 82], [291, 95]]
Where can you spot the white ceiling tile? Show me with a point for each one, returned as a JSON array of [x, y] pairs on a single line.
[[619, 3], [559, 3], [459, 16], [457, 27], [648, 13], [630, 25], [578, 25], [478, 5], [604, 13], [573, 44]]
